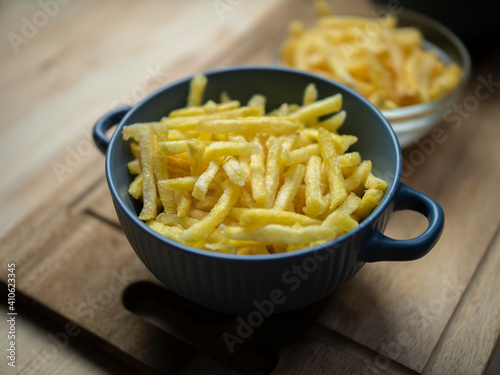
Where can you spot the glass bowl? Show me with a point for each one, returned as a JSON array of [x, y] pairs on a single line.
[[412, 122]]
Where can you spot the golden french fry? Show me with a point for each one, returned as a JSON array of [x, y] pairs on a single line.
[[203, 182], [333, 123], [319, 108], [335, 177], [196, 152], [350, 204], [207, 225], [310, 94], [234, 171], [189, 123], [209, 107], [350, 159], [359, 176], [257, 174], [315, 203], [179, 184], [135, 188], [216, 149], [149, 208], [291, 185], [273, 168], [375, 183], [173, 147], [172, 232], [136, 151], [246, 200], [370, 200], [264, 216], [302, 154], [276, 233], [273, 125], [257, 101], [174, 220], [196, 90], [183, 202], [134, 166]]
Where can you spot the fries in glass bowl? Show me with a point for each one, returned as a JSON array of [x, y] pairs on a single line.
[[408, 65]]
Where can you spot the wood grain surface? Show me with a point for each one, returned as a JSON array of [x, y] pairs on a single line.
[[86, 297]]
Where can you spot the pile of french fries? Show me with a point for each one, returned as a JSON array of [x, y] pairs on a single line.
[[385, 64], [231, 178]]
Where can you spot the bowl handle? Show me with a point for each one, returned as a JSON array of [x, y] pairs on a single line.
[[111, 118], [382, 248]]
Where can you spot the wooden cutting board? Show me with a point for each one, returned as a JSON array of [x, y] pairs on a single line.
[[436, 315]]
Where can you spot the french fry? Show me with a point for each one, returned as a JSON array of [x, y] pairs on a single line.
[[302, 154], [173, 147], [333, 123], [257, 100], [174, 220], [209, 107], [276, 233], [183, 202], [134, 166], [335, 177], [203, 182], [359, 176], [149, 194], [273, 125], [196, 90], [207, 225], [135, 187], [172, 232], [180, 183], [310, 94], [234, 171], [196, 152], [273, 168], [189, 123], [315, 203], [257, 174], [290, 186], [318, 108], [264, 216], [216, 149], [370, 200]]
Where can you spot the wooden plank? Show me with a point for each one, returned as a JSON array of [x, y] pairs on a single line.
[[467, 344]]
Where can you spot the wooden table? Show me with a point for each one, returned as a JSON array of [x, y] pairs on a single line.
[[77, 60]]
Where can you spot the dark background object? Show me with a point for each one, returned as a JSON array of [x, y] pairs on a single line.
[[477, 23]]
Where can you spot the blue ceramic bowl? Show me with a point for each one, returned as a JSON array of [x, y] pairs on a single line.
[[278, 282]]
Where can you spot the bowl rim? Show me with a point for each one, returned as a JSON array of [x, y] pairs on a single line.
[[414, 110], [389, 194]]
